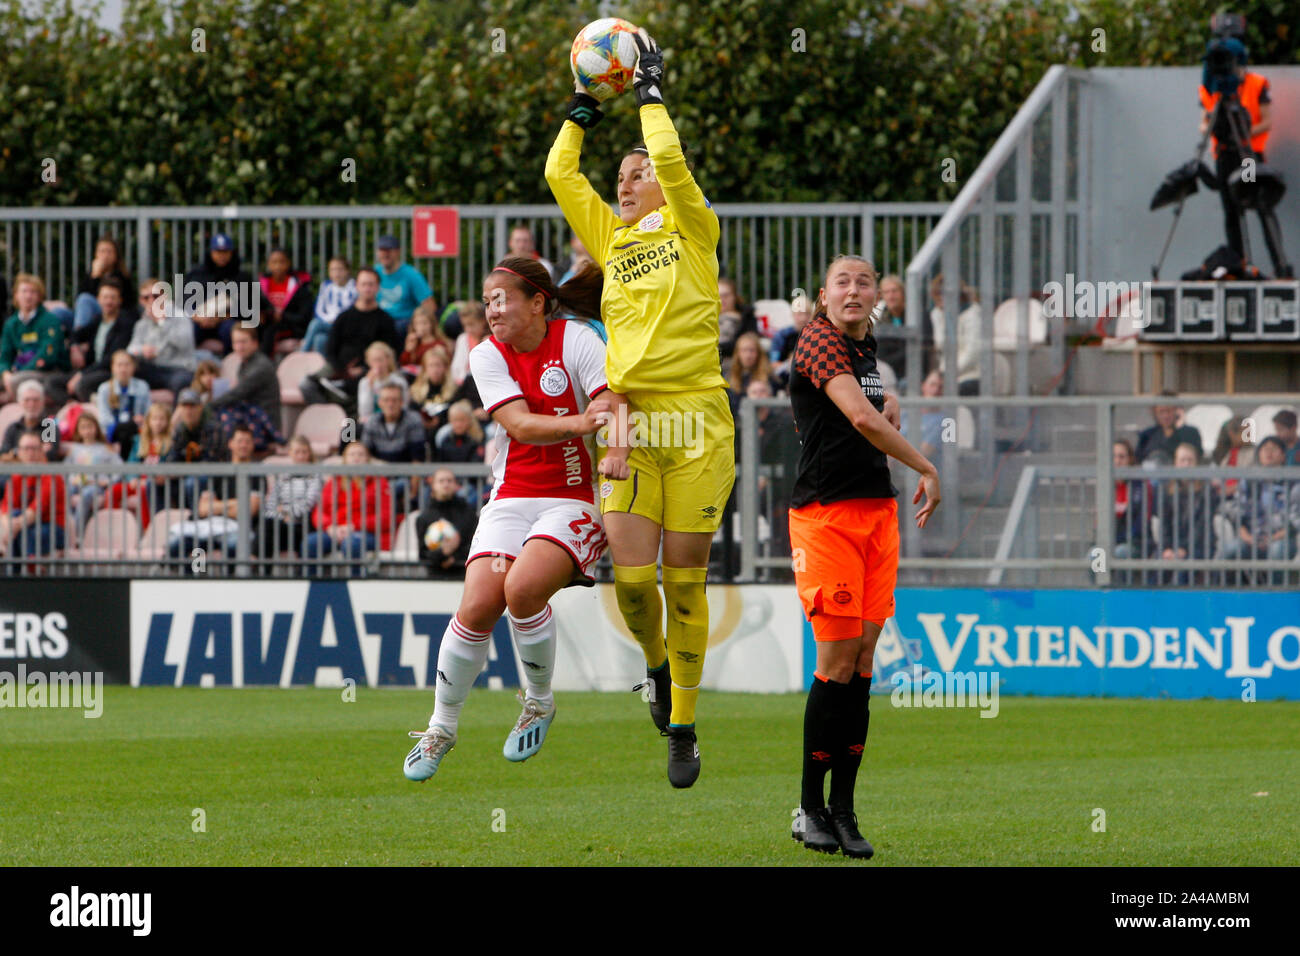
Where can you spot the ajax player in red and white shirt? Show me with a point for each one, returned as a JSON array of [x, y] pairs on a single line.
[[541, 531]]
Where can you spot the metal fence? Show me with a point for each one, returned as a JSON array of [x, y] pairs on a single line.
[[769, 249], [1044, 517], [1020, 220], [1045, 514]]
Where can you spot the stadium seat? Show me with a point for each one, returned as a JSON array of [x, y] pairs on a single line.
[[965, 428], [320, 425], [230, 368], [405, 547], [111, 535], [1263, 417], [9, 414], [773, 315], [292, 370], [153, 543], [1005, 319], [888, 378], [1207, 418]]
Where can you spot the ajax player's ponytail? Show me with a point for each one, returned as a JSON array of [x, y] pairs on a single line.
[[579, 296]]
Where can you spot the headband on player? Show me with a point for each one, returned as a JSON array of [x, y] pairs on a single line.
[[525, 278]]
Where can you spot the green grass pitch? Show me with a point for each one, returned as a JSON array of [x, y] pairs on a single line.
[[302, 777]]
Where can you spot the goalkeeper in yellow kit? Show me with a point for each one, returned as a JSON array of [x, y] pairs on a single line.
[[668, 471]]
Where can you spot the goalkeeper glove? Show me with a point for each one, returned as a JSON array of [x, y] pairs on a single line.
[[649, 74], [584, 110]]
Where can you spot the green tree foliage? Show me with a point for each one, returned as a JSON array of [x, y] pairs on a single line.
[[457, 101]]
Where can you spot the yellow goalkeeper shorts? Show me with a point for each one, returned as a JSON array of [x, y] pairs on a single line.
[[682, 460]]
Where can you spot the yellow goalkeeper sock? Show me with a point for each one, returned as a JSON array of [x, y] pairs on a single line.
[[637, 590], [688, 637]]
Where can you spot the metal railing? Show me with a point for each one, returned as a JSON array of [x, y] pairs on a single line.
[[1044, 515], [769, 249], [1020, 220]]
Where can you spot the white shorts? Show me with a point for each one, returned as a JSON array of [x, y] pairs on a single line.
[[506, 523]]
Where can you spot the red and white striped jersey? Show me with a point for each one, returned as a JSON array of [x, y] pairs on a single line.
[[559, 377]]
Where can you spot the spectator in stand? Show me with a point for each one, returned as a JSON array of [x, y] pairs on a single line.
[[1284, 425], [106, 264], [931, 418], [32, 345], [890, 347], [31, 398], [748, 364], [288, 303], [94, 344], [32, 510], [219, 312], [461, 439], [970, 334], [353, 331], [573, 263], [396, 433], [89, 447], [196, 439], [1132, 530], [474, 319], [336, 296], [1231, 451], [254, 399], [355, 514], [381, 365], [402, 289], [778, 457], [433, 392], [1185, 509], [445, 504], [122, 402], [734, 319], [217, 510], [1159, 442], [784, 341], [286, 512], [422, 336], [207, 374], [148, 493], [162, 343], [522, 244], [1265, 513]]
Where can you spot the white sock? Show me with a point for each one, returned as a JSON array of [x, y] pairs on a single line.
[[460, 660], [535, 638]]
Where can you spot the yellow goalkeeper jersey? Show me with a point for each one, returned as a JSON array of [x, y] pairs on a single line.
[[660, 300]]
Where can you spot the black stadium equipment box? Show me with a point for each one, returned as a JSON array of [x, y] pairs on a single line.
[[63, 625], [1219, 311], [1279, 311]]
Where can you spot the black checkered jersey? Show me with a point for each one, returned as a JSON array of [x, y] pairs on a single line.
[[836, 462]]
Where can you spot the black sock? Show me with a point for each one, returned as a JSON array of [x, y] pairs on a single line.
[[819, 735], [851, 723]]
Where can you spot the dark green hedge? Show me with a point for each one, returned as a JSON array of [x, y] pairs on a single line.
[[416, 95]]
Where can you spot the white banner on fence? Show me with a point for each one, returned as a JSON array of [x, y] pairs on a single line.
[[380, 633]]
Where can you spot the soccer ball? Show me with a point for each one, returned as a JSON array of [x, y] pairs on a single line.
[[603, 57], [436, 532]]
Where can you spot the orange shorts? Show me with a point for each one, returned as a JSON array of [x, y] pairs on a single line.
[[845, 563]]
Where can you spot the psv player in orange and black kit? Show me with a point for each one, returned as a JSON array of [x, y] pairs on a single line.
[[844, 536]]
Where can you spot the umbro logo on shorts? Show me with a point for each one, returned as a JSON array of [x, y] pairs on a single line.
[[709, 511]]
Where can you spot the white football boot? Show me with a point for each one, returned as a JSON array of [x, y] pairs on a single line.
[[530, 730], [422, 762]]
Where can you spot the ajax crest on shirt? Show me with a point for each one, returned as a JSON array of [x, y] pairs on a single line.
[[554, 381]]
